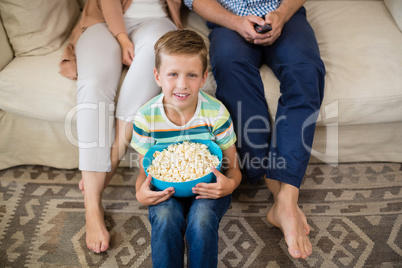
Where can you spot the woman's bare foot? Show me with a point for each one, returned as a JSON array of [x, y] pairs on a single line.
[[81, 185], [293, 223], [97, 236]]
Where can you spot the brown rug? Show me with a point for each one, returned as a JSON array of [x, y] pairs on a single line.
[[354, 210]]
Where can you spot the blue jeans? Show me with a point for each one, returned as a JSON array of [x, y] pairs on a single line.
[[197, 220], [281, 150]]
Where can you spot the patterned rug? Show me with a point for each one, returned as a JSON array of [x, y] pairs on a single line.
[[354, 210]]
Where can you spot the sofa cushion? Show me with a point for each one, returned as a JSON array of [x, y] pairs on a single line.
[[361, 47], [82, 3], [6, 54], [37, 27], [33, 87], [355, 92], [395, 8], [192, 21]]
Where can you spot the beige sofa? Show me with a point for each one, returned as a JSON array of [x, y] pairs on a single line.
[[360, 119]]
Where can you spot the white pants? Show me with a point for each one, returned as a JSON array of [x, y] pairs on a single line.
[[99, 66]]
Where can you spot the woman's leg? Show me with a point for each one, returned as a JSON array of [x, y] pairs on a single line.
[[99, 70], [139, 85], [202, 230], [168, 225]]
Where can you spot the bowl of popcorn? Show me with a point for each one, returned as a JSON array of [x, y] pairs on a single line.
[[182, 165]]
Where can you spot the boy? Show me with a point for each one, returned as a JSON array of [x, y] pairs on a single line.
[[182, 112]]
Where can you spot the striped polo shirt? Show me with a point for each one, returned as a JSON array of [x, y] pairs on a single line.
[[211, 121]]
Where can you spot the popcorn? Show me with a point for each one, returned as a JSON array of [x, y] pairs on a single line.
[[182, 162]]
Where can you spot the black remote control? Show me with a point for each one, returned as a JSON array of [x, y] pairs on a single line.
[[262, 29]]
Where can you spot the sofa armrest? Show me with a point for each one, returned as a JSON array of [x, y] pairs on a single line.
[[6, 54], [395, 8]]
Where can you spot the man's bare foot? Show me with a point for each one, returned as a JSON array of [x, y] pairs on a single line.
[[293, 223], [97, 236]]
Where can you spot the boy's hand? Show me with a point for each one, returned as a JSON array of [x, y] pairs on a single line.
[[148, 197], [222, 187]]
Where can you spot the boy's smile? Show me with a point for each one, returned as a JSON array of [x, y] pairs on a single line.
[[181, 77], [181, 96]]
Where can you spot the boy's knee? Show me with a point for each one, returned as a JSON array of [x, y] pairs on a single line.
[[163, 214], [203, 222], [165, 217]]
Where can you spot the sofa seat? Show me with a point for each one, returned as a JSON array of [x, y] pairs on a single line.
[[360, 119], [367, 85], [32, 86], [361, 46], [366, 88]]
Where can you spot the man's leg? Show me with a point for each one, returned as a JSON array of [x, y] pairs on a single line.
[[235, 66], [295, 60]]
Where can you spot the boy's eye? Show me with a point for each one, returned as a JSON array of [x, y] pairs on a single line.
[[173, 74], [192, 75]]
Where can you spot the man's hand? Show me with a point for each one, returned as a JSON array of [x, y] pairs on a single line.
[[245, 27], [148, 197], [274, 19], [127, 48], [222, 187], [277, 19]]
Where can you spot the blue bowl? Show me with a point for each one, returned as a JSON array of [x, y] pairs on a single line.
[[182, 189]]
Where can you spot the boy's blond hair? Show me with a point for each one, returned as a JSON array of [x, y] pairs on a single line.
[[181, 42]]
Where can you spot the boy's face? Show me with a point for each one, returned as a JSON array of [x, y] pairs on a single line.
[[181, 77]]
